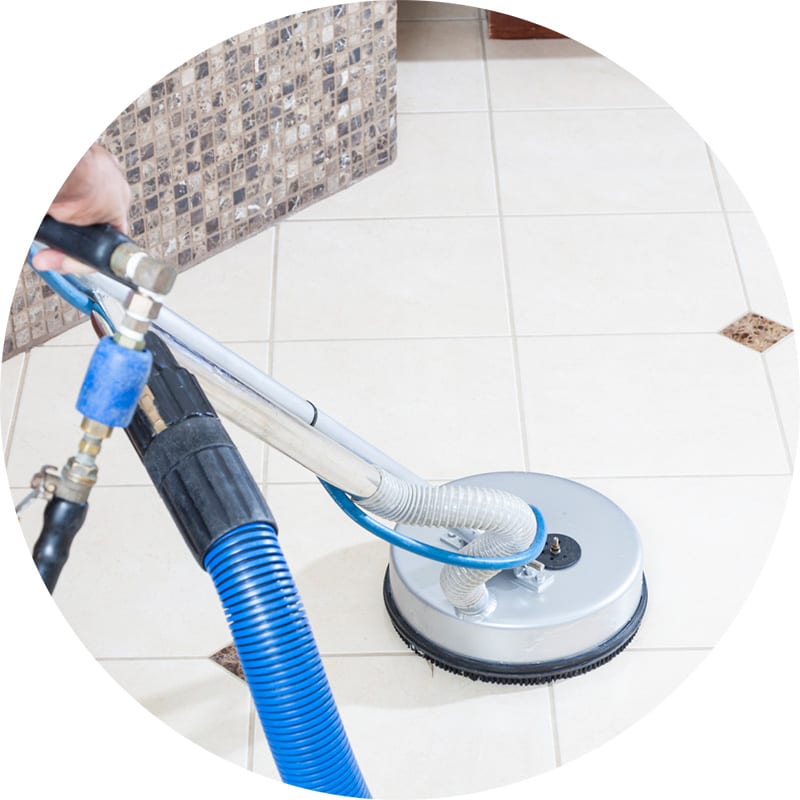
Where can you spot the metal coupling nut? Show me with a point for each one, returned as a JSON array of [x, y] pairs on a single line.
[[141, 307], [134, 342], [89, 446], [96, 429], [79, 472], [77, 480], [132, 263]]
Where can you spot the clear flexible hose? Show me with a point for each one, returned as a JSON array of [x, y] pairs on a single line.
[[508, 526]]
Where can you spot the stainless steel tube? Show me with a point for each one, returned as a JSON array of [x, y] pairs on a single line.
[[285, 432], [180, 332]]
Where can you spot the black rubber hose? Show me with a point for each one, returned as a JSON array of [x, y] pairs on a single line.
[[62, 520], [92, 244]]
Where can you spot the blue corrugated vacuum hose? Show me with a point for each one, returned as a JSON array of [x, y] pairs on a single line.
[[281, 662]]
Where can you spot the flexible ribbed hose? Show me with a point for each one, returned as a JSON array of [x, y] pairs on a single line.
[[281, 662], [507, 523]]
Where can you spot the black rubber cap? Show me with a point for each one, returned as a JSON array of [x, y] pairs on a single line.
[[204, 482], [194, 465]]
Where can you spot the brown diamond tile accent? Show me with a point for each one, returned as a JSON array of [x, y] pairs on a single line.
[[229, 658], [756, 332]]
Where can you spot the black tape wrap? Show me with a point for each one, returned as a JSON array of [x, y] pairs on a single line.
[[62, 521], [194, 465]]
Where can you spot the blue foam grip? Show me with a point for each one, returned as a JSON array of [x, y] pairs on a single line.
[[114, 382]]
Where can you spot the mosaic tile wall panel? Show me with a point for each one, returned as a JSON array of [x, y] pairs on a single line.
[[247, 132]]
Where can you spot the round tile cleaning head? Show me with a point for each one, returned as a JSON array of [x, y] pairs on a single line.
[[574, 610]]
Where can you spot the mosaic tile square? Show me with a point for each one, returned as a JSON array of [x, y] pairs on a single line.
[[247, 132]]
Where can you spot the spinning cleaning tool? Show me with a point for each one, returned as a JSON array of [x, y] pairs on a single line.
[[566, 608], [507, 577]]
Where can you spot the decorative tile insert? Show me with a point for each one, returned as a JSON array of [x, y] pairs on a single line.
[[229, 658], [247, 132], [756, 332]]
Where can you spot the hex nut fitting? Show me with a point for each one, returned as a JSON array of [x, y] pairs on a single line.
[[132, 263], [98, 430], [76, 481], [141, 307]]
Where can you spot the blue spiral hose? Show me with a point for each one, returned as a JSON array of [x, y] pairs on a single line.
[[281, 662]]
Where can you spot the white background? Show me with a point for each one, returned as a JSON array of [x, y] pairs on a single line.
[[731, 69]]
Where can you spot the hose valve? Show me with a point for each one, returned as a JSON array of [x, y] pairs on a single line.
[[79, 475], [43, 485]]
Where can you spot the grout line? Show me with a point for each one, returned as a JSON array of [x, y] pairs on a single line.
[[776, 409], [666, 213], [109, 659], [389, 654], [728, 228], [370, 654], [681, 476], [510, 215], [251, 736], [538, 110], [496, 337], [773, 395], [515, 357], [273, 305], [676, 476], [15, 406], [551, 689]]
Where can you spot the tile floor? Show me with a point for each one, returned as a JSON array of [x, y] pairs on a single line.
[[538, 283]]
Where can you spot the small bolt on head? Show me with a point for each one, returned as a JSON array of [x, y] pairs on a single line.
[[555, 546]]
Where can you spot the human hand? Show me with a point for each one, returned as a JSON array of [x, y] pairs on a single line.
[[95, 192]]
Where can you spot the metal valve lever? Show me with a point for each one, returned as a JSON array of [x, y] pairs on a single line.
[[43, 485]]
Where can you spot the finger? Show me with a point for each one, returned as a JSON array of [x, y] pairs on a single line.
[[70, 265], [56, 261], [48, 259]]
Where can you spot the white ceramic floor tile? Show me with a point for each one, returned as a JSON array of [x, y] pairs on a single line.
[[761, 277], [732, 197], [398, 714], [252, 449], [441, 407], [443, 168], [648, 405], [697, 533], [440, 67], [591, 709], [228, 296], [781, 361], [390, 278], [528, 74], [598, 161], [10, 378], [131, 587], [338, 568], [82, 334], [47, 428], [421, 9], [198, 699], [636, 273]]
